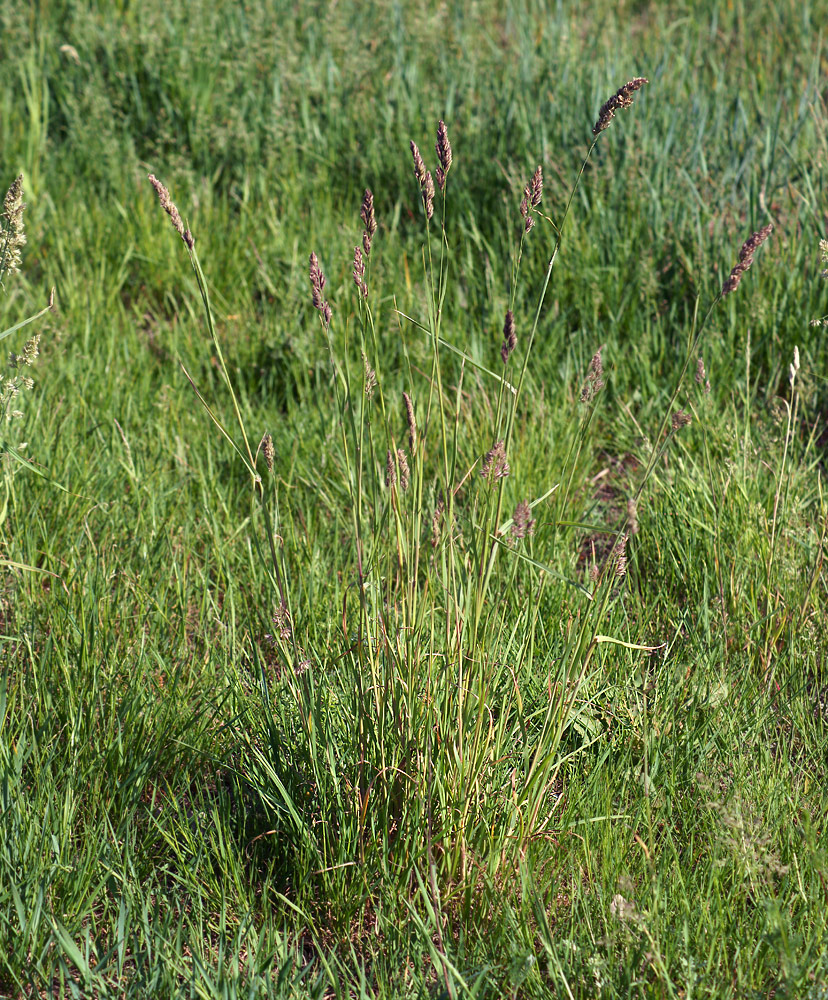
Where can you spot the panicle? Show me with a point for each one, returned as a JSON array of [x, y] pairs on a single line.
[[393, 462], [169, 207], [419, 164], [532, 194], [793, 369], [680, 419], [317, 280], [428, 195], [595, 378], [622, 98], [620, 554], [31, 351], [748, 249], [12, 236], [536, 192], [366, 213], [269, 451], [412, 423], [359, 272], [370, 377], [405, 473], [424, 179], [495, 465], [632, 515], [443, 148], [509, 337], [523, 524], [281, 620]]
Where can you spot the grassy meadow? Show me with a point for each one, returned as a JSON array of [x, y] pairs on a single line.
[[455, 627]]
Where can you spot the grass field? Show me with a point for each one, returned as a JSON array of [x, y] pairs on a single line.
[[514, 686]]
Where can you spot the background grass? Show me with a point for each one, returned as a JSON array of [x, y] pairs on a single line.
[[137, 847]]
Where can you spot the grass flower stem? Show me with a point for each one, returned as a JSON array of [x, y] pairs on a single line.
[[487, 564], [248, 459]]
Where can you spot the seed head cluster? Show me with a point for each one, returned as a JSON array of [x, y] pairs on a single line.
[[281, 621], [632, 516], [169, 207], [366, 213], [13, 385], [793, 368], [621, 99], [269, 451], [317, 280], [680, 419], [31, 350], [701, 376], [12, 237], [495, 465], [749, 248], [523, 524], [620, 555], [595, 378], [370, 377], [509, 337], [394, 462], [424, 179], [443, 149], [532, 194], [359, 272], [412, 423]]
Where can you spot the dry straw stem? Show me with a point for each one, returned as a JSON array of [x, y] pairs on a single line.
[[622, 98], [169, 207], [749, 248]]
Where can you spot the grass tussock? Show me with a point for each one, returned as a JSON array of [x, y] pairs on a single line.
[[413, 586]]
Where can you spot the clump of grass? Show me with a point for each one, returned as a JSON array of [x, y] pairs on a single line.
[[418, 754]]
